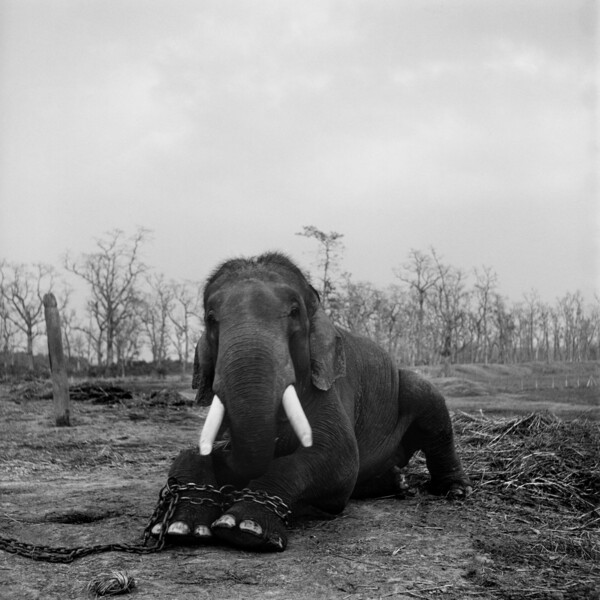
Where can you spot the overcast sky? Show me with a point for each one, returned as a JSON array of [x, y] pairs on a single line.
[[225, 126]]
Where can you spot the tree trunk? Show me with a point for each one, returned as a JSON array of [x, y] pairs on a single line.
[[186, 353], [30, 351], [109, 348], [60, 384]]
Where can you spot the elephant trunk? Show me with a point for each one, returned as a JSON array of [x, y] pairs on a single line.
[[252, 380], [249, 378], [252, 441]]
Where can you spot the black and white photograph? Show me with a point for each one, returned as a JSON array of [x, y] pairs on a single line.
[[300, 300]]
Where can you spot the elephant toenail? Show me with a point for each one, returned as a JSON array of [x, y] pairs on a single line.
[[227, 521], [202, 531], [156, 529], [277, 541], [178, 528], [251, 527]]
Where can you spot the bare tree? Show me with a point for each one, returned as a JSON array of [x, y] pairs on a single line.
[[375, 313], [22, 290], [591, 331], [396, 318], [575, 328], [112, 272], [8, 330], [330, 248], [128, 340], [595, 326], [449, 304], [421, 275], [93, 331], [544, 322], [156, 306], [504, 327], [557, 334], [531, 314], [183, 310], [359, 306], [75, 340], [8, 336], [485, 285], [571, 310]]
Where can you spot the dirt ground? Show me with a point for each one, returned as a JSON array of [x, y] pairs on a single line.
[[98, 482]]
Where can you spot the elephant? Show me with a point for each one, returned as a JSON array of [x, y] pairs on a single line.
[[303, 414]]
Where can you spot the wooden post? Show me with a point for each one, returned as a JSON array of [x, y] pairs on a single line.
[[60, 384]]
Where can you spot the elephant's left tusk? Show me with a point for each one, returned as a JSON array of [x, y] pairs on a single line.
[[295, 414], [214, 418]]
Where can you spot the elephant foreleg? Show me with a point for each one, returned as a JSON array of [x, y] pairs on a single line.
[[200, 501], [322, 476]]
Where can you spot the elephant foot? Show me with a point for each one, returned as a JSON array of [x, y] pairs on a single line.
[[195, 511], [459, 491], [251, 526], [453, 488]]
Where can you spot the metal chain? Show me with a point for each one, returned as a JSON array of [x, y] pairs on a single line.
[[68, 555], [274, 503], [169, 498], [220, 501]]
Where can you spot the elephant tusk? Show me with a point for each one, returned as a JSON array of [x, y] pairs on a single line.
[[295, 414], [214, 418]]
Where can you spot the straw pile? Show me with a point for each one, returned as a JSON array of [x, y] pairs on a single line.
[[546, 468]]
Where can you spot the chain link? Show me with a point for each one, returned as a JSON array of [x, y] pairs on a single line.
[[67, 555], [169, 497], [274, 503], [219, 501]]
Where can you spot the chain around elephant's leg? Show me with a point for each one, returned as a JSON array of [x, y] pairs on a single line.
[[200, 500], [255, 521]]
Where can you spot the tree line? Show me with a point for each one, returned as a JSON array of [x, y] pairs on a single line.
[[436, 313], [432, 313], [130, 310]]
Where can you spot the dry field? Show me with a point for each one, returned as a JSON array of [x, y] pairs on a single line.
[[530, 530]]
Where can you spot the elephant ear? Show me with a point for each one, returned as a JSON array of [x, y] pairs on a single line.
[[204, 372], [327, 357]]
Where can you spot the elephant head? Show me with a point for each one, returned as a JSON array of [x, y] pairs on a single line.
[[267, 342]]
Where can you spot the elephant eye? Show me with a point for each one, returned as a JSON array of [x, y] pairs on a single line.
[[211, 319], [295, 312]]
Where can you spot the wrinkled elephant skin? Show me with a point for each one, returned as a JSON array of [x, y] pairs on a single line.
[[360, 418]]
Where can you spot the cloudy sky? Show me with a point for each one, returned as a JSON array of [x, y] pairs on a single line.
[[225, 126]]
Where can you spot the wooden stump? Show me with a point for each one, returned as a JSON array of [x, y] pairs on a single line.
[[60, 383]]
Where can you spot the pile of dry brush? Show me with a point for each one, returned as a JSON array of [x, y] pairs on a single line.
[[547, 467]]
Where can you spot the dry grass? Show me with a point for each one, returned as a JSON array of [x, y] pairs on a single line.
[[111, 584], [536, 460], [537, 478]]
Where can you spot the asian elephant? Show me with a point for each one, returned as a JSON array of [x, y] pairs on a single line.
[[302, 413]]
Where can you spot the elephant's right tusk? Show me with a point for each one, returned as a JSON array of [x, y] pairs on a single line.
[[214, 418], [295, 414]]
